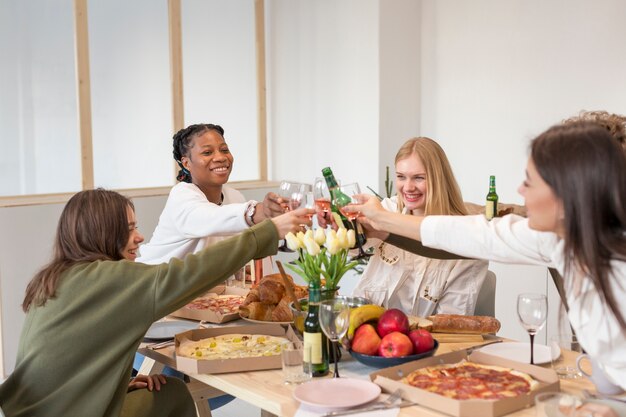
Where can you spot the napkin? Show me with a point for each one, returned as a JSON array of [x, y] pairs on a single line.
[[306, 411]]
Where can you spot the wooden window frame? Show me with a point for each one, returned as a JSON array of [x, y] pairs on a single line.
[[83, 85]]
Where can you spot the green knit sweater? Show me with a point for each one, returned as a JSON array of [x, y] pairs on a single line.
[[75, 352]]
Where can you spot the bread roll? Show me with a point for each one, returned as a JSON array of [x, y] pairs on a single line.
[[282, 312], [252, 296], [271, 292], [257, 311], [455, 323]]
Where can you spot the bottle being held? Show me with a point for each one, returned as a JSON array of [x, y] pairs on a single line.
[[491, 205], [313, 336], [337, 195]]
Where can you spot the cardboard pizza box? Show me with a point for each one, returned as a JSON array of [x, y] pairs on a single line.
[[220, 366], [389, 379], [209, 315]]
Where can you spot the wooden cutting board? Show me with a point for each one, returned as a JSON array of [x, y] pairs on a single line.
[[458, 338]]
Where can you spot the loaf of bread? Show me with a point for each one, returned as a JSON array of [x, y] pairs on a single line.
[[455, 323], [270, 291]]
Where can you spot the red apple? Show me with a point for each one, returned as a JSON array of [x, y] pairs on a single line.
[[366, 340], [394, 345], [422, 340], [392, 320]]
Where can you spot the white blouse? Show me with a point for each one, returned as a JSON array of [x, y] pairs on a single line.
[[510, 240], [412, 280]]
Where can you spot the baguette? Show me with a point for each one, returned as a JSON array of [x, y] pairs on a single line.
[[455, 323]]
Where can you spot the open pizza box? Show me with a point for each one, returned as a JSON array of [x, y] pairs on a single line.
[[211, 316], [220, 366], [390, 380]]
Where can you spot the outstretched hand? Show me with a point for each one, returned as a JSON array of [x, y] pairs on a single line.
[[272, 205], [292, 221], [369, 208], [149, 382]]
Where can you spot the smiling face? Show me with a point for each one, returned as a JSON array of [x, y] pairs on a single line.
[[134, 237], [209, 160], [411, 183], [544, 209]]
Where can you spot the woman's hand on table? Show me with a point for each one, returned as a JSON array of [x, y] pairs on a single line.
[[292, 221], [150, 382]]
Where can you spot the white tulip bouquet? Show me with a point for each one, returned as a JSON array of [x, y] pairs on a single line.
[[323, 253]]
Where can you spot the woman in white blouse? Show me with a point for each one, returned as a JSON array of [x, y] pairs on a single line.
[[201, 209], [416, 284], [575, 195]]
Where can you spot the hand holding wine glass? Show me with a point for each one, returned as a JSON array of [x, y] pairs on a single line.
[[322, 197], [291, 193], [334, 321], [344, 196], [532, 311]]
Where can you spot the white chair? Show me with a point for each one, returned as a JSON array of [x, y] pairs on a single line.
[[486, 301]]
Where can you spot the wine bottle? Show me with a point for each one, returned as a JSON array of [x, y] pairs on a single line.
[[313, 336], [491, 205], [336, 195]]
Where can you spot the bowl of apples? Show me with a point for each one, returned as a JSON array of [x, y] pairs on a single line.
[[381, 338]]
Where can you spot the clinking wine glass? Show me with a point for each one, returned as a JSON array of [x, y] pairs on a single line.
[[292, 193], [343, 198], [334, 320], [532, 311], [321, 196]]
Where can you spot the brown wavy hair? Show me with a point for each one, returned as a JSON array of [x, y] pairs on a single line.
[[444, 195], [586, 169], [93, 226], [614, 123]]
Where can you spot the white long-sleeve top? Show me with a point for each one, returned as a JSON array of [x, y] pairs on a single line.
[[510, 240], [409, 277], [190, 222]]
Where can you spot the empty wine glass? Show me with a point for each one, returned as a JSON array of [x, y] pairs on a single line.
[[344, 196], [532, 311], [292, 193], [334, 320]]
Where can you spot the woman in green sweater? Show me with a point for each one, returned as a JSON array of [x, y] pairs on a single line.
[[87, 311]]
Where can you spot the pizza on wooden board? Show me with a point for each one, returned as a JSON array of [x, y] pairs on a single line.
[[232, 346], [468, 380]]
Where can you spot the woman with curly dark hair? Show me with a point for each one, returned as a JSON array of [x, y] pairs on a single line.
[[201, 209]]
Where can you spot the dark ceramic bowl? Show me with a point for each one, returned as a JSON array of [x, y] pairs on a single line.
[[382, 362]]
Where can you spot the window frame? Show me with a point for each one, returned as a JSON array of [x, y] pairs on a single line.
[[83, 88]]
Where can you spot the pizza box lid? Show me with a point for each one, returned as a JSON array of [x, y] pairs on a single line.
[[212, 316], [219, 366], [389, 379]]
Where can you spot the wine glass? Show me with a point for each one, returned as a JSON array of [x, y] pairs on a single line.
[[532, 311], [322, 196], [334, 320], [309, 202], [343, 198], [292, 192]]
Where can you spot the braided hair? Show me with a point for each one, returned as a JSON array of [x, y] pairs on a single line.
[[182, 142]]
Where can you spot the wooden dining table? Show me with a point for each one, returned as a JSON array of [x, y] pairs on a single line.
[[266, 390]]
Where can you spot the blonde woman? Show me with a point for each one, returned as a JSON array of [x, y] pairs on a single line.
[[415, 284]]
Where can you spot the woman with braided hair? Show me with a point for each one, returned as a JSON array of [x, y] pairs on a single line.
[[201, 209]]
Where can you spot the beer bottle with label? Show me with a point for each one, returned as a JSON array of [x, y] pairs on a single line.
[[491, 205], [313, 336]]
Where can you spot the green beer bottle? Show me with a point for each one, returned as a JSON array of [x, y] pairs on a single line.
[[491, 205], [313, 336], [337, 195]]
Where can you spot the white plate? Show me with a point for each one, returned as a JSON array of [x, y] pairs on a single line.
[[520, 352], [163, 330], [336, 393]]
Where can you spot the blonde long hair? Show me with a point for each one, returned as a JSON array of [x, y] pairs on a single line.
[[443, 193]]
